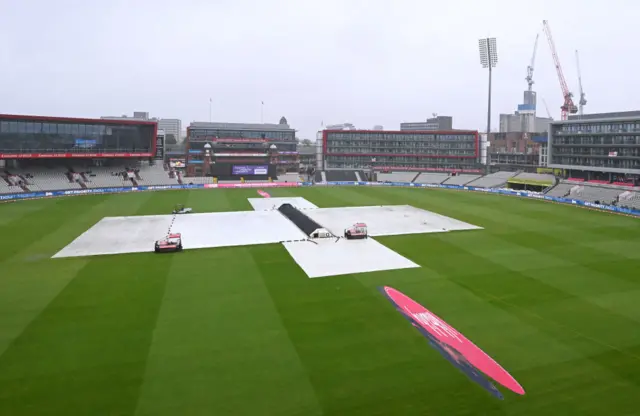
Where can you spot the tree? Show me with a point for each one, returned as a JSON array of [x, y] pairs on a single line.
[[306, 142], [170, 139]]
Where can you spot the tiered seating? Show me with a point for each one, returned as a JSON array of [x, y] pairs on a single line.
[[294, 177], [396, 177], [360, 175], [107, 177], [431, 178], [561, 190], [197, 180], [494, 180], [460, 179], [5, 188], [631, 201], [595, 193], [50, 180], [156, 175]]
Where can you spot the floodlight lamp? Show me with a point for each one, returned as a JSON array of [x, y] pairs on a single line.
[[488, 52]]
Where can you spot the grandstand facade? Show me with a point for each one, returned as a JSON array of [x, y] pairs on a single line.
[[602, 149], [240, 147], [35, 137], [437, 151]]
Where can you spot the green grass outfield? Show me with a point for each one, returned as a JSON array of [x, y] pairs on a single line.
[[551, 292]]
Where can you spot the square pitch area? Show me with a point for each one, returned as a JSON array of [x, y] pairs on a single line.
[[334, 257], [240, 228], [387, 220], [119, 235], [269, 204]]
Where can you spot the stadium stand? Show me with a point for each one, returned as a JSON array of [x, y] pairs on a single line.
[[460, 179], [397, 177], [561, 190], [630, 200], [157, 175], [104, 177], [293, 177], [197, 180], [5, 188], [70, 178], [493, 180], [341, 175], [43, 179], [431, 178], [598, 194]]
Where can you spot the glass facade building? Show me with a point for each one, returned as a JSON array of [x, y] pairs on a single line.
[[41, 137], [401, 150], [596, 148]]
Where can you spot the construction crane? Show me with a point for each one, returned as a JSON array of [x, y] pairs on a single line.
[[529, 77], [583, 97], [567, 106], [547, 108]]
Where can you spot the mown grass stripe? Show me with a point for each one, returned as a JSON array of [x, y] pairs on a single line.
[[86, 352]]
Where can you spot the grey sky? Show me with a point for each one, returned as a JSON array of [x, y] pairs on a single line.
[[366, 62]]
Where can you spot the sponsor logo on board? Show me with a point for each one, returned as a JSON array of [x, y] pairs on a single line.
[[452, 345]]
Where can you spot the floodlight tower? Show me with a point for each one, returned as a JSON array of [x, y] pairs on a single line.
[[488, 59]]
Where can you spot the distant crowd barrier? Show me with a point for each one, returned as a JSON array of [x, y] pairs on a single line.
[[523, 194]]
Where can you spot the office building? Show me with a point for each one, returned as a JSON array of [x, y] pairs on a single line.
[[436, 123], [516, 123], [524, 120], [171, 126], [515, 150], [401, 150], [342, 126], [597, 146]]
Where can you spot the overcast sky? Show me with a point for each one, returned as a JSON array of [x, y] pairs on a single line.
[[361, 61]]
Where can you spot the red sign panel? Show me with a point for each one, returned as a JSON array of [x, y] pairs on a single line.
[[395, 169], [258, 185], [240, 154], [226, 140], [69, 155]]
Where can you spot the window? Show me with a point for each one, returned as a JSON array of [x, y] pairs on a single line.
[[4, 126]]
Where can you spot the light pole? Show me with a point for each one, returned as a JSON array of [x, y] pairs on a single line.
[[488, 59]]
